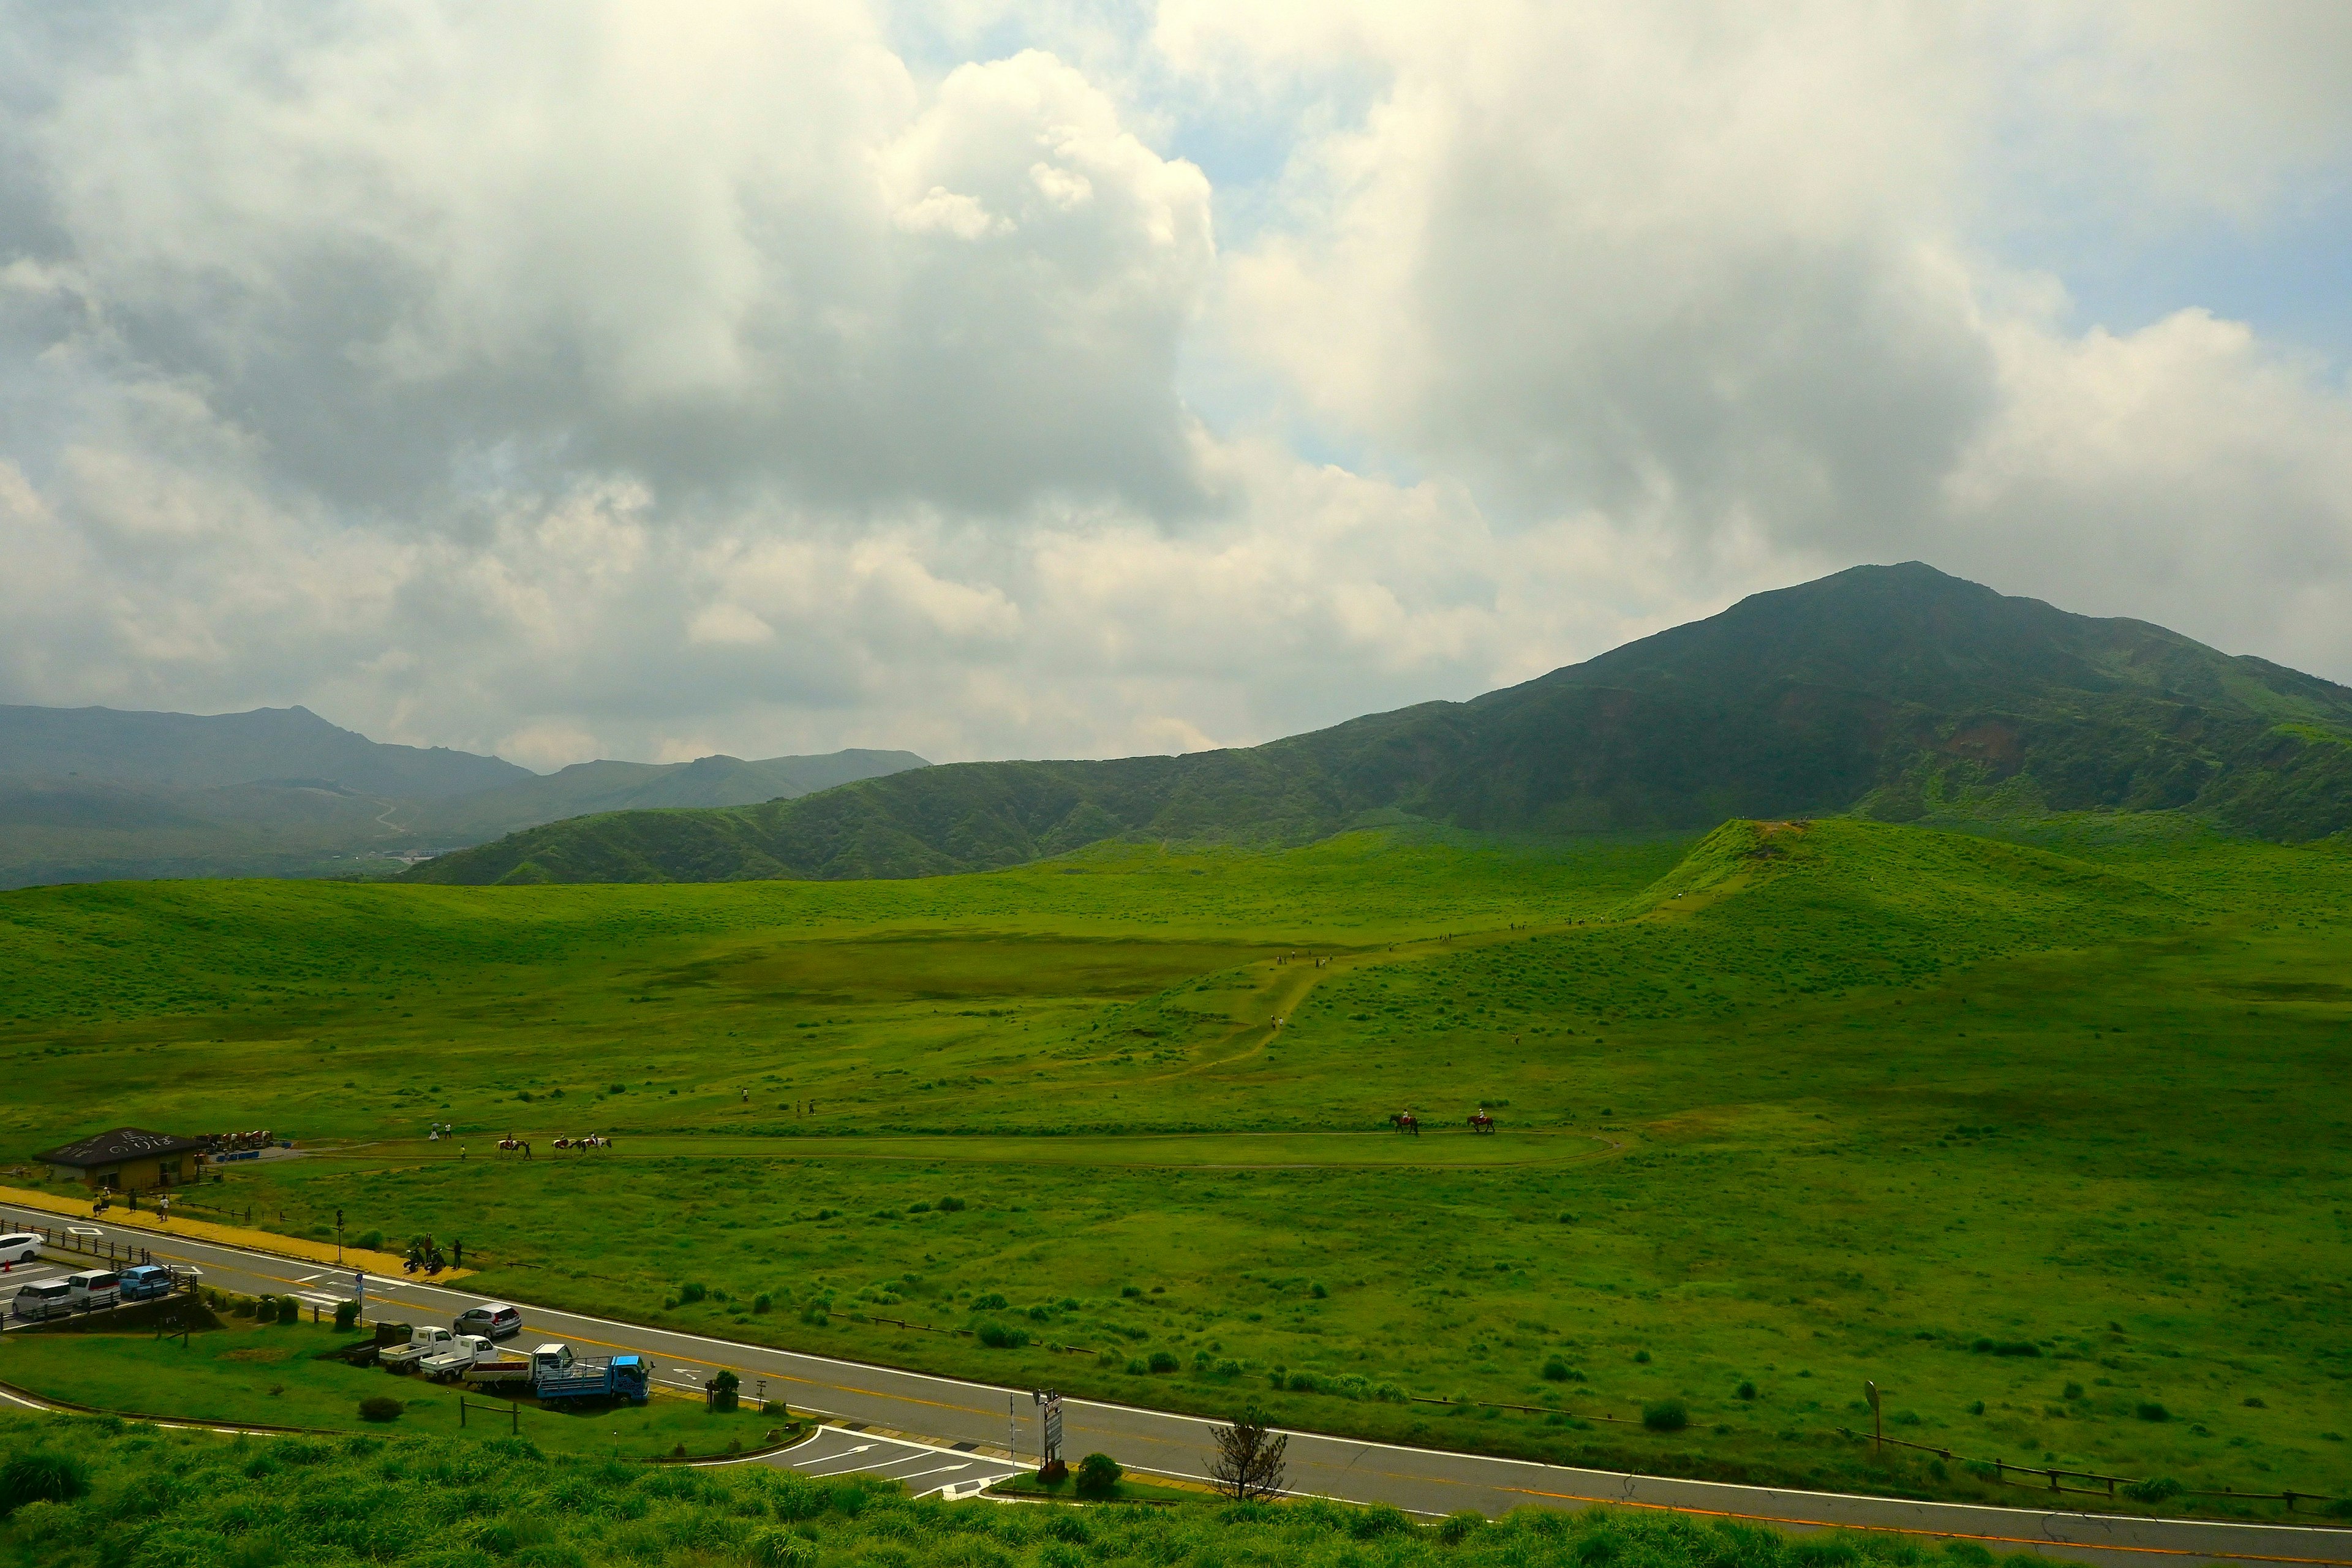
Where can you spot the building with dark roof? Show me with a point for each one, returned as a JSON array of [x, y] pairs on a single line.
[[126, 1159]]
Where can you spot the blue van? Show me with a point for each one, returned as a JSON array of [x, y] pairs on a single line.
[[146, 1282]]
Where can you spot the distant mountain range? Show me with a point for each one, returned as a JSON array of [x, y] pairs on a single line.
[[1895, 691], [91, 794]]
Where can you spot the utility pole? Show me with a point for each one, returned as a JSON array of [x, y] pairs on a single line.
[[339, 1242]]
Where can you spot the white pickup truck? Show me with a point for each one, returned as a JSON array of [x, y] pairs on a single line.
[[421, 1341], [460, 1353]]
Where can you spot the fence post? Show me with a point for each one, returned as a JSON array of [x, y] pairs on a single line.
[[461, 1410]]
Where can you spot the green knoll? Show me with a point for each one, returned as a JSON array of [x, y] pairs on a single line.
[[2038, 1133]]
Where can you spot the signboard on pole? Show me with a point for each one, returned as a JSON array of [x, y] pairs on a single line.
[[1049, 1413]]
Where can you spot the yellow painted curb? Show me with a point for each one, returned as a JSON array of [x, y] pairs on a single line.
[[309, 1251]]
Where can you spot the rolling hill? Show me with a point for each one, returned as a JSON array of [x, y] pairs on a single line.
[[1898, 692], [93, 795]]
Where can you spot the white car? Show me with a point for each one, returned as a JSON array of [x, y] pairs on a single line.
[[20, 1247]]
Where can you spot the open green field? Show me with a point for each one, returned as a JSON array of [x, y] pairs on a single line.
[[2047, 1138], [269, 1375]]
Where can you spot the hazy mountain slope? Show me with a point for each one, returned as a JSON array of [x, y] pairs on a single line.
[[600, 786], [188, 751], [92, 795], [1898, 690]]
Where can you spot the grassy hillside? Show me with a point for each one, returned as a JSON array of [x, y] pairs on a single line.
[[1793, 1105], [1910, 694], [143, 1497]]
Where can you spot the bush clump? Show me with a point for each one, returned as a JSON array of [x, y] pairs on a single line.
[[1164, 1360], [1665, 1415], [952, 1205], [42, 1477], [998, 1336], [1098, 1475], [2150, 1410], [2157, 1488], [2006, 1347], [347, 1316], [1555, 1369], [381, 1408]]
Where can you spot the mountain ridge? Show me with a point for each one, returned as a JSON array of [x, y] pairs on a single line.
[[1896, 692], [99, 794]]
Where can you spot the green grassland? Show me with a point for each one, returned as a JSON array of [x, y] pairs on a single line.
[[79, 1493], [271, 1375], [2041, 1133]]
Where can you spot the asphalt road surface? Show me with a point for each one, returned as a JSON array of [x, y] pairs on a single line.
[[952, 1422]]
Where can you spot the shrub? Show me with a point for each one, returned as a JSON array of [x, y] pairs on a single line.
[[39, 1476], [2255, 1402], [1968, 1553], [1746, 1390], [1665, 1415], [952, 1206], [1318, 1290], [377, 1407], [1555, 1369], [2074, 1391], [1164, 1360], [1305, 1383], [1130, 1290], [996, 1336], [773, 1546], [1135, 1367], [289, 1311], [346, 1315], [1457, 1528], [370, 1239], [1641, 1356], [763, 1302], [1098, 1474], [688, 1294], [2150, 1410], [2157, 1489], [1389, 1394], [2006, 1347], [993, 1302]]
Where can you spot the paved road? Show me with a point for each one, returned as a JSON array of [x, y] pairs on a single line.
[[967, 1418]]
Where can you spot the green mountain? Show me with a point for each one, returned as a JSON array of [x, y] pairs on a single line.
[[93, 795], [1895, 691]]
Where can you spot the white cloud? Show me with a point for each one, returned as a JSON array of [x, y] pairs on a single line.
[[602, 378]]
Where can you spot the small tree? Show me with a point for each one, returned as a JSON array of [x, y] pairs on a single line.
[[289, 1309], [722, 1390], [379, 1409], [1098, 1475], [1248, 1462], [346, 1315]]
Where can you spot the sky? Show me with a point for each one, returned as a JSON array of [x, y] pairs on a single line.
[[578, 378]]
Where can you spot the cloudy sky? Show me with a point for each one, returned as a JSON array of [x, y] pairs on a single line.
[[599, 377]]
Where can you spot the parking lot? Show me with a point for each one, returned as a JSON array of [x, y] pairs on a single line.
[[924, 1470]]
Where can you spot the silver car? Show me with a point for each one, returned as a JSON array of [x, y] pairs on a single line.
[[20, 1247], [491, 1320]]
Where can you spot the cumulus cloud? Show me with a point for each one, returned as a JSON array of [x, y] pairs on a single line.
[[594, 378]]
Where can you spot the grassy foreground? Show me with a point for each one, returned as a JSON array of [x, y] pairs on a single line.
[[271, 1375], [79, 1493], [2030, 1134]]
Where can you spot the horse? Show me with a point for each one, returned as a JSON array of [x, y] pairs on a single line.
[[510, 1145], [1482, 1123], [1406, 1122]]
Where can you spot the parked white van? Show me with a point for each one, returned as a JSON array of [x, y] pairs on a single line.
[[42, 1300], [92, 1289]]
